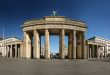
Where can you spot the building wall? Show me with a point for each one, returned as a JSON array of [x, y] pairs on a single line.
[[108, 48], [2, 44], [102, 40]]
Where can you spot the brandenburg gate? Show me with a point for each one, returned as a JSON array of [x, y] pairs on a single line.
[[54, 25]]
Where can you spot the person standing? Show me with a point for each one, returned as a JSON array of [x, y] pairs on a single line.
[[51, 56]]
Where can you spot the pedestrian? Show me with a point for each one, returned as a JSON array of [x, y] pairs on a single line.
[[51, 56]]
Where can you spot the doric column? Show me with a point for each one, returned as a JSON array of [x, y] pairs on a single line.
[[92, 51], [70, 43], [15, 50], [24, 44], [84, 50], [88, 51], [11, 51], [27, 45], [47, 44], [8, 51], [18, 51], [98, 56], [36, 45], [80, 45], [5, 51], [62, 44], [40, 44], [102, 51], [105, 51], [21, 50], [74, 44]]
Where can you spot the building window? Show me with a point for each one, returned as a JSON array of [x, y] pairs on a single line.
[[108, 45]]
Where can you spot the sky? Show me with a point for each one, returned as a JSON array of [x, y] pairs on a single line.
[[96, 14]]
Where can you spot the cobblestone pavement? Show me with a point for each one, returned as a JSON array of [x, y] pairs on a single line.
[[13, 66]]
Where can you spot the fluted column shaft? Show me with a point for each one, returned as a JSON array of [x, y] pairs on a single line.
[[47, 44], [105, 52], [18, 53], [16, 50], [70, 45], [27, 45], [79, 46], [62, 44], [36, 44], [88, 51], [84, 50], [10, 50], [92, 51], [74, 44], [98, 55]]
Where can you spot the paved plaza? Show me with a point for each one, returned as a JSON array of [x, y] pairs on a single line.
[[12, 66]]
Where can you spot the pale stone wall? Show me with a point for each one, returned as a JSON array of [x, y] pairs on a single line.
[[7, 41], [74, 29], [54, 18], [96, 49]]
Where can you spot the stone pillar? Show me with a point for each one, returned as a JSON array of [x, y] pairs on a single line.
[[88, 51], [62, 44], [27, 45], [70, 43], [101, 52], [15, 50], [11, 51], [36, 45], [74, 44], [79, 46], [47, 45], [40, 44], [5, 51], [21, 50], [105, 51], [8, 51], [84, 50], [18, 52], [98, 55], [24, 44], [92, 51]]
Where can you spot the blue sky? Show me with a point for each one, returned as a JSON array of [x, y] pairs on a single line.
[[96, 14]]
